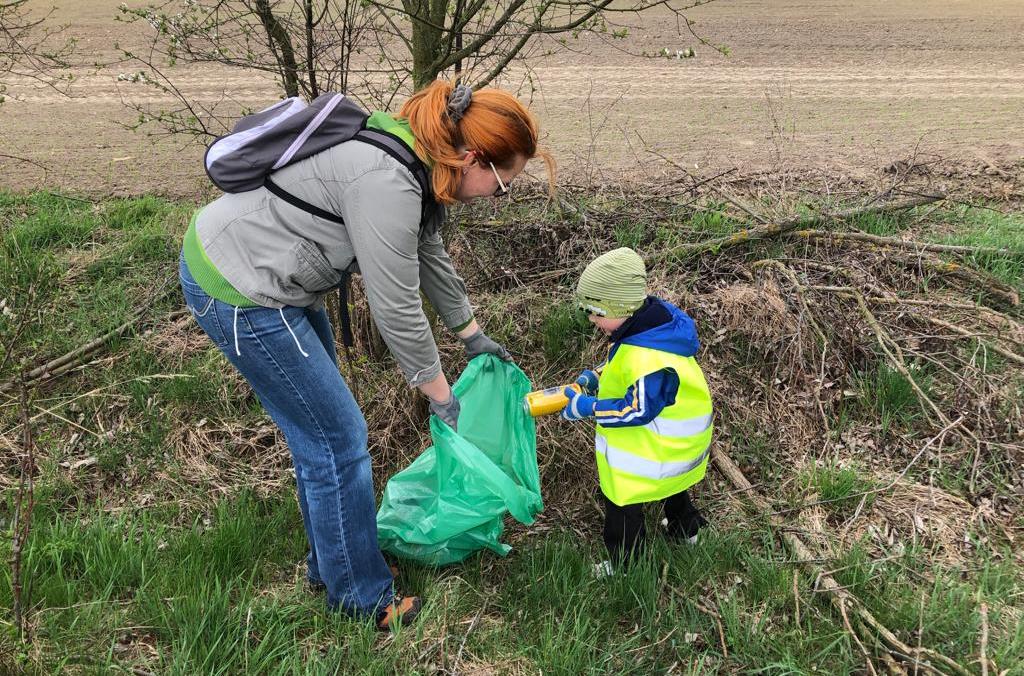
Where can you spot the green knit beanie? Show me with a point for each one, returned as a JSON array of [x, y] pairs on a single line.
[[614, 285]]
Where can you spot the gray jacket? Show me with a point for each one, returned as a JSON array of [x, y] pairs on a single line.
[[277, 254]]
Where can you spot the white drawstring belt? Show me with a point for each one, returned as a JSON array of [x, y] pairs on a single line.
[[238, 352], [294, 337]]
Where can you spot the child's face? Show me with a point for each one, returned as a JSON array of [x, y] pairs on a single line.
[[607, 325]]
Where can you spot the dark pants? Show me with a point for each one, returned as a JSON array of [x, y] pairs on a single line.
[[624, 530]]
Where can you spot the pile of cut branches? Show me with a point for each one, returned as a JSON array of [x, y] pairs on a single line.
[[797, 314]]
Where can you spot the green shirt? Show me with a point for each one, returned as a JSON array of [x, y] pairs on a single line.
[[206, 274]]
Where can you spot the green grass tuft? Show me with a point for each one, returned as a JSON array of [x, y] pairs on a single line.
[[884, 224], [632, 234], [564, 331], [990, 228], [841, 488], [46, 220], [886, 394]]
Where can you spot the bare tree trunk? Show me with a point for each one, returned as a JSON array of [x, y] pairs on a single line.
[[281, 45], [428, 39], [314, 90]]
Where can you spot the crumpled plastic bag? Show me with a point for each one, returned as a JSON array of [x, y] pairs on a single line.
[[451, 501]]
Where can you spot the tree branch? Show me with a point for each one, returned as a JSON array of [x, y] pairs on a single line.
[[898, 243], [774, 229]]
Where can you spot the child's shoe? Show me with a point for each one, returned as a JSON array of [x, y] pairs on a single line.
[[688, 530]]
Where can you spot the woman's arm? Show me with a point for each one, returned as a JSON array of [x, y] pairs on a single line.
[[382, 213], [447, 293], [437, 389], [443, 286], [471, 328]]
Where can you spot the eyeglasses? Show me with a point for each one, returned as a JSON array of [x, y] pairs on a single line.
[[502, 188]]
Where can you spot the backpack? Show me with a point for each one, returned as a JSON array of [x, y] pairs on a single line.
[[291, 130]]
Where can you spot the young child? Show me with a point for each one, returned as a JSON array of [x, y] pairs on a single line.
[[650, 402]]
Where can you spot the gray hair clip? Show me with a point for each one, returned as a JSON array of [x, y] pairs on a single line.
[[458, 101]]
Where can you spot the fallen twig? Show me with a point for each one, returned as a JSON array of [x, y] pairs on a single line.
[[697, 184], [984, 639], [1012, 356], [76, 357], [898, 243], [462, 645], [24, 504], [718, 622], [853, 634], [837, 594], [774, 229], [796, 598], [971, 276], [896, 357], [895, 300]]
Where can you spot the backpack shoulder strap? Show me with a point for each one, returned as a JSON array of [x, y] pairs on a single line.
[[396, 148], [300, 203]]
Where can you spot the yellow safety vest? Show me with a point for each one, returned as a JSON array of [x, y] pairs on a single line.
[[650, 462]]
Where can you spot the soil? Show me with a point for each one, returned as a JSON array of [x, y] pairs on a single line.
[[840, 87]]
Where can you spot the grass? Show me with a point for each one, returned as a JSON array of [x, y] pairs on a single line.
[[222, 593], [839, 488], [972, 226], [885, 394], [944, 611], [563, 332], [88, 264], [159, 556], [631, 234], [883, 224], [713, 221]]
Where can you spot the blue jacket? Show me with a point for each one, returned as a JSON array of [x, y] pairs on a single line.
[[658, 325]]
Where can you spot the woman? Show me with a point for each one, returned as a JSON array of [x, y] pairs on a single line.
[[254, 268]]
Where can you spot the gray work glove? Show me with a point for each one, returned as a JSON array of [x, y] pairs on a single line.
[[447, 411], [479, 343]]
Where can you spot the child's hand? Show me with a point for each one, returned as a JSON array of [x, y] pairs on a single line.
[[588, 381], [580, 406]]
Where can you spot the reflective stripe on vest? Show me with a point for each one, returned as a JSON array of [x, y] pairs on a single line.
[[687, 427], [624, 461]]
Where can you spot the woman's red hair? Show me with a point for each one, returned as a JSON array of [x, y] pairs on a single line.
[[496, 125]]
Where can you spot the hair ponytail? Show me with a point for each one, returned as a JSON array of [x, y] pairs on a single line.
[[496, 125]]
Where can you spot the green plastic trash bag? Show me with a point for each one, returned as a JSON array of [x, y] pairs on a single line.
[[451, 501]]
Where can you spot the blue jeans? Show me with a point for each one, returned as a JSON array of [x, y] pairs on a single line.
[[288, 357]]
